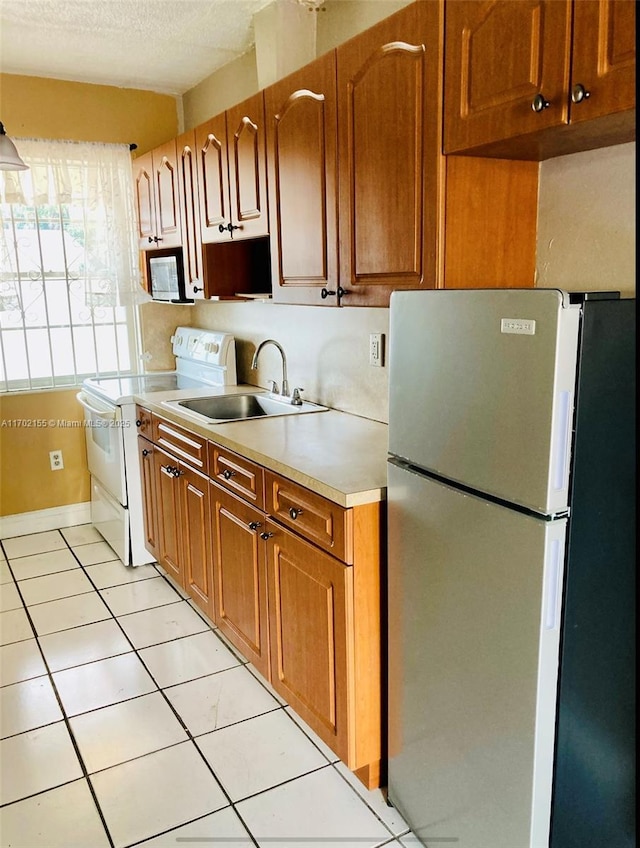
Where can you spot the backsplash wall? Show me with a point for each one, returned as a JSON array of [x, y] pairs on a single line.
[[327, 350]]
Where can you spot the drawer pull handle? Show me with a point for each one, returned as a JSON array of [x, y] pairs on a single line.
[[254, 525], [266, 536], [228, 474], [294, 512]]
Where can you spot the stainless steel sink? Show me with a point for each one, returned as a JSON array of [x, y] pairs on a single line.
[[240, 407]]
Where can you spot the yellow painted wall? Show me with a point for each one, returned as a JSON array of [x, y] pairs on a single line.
[[44, 108], [34, 107], [31, 425]]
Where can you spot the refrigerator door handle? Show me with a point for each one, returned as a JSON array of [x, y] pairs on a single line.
[[552, 585], [562, 440]]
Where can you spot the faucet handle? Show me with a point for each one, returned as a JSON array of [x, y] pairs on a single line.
[[274, 387], [296, 400]]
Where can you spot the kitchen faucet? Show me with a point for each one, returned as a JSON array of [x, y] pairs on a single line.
[[254, 365]]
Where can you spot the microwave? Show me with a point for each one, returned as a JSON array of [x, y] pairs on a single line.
[[166, 276]]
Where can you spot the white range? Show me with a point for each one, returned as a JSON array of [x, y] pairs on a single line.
[[203, 358]]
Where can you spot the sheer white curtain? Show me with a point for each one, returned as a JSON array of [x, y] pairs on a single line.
[[69, 272], [94, 183]]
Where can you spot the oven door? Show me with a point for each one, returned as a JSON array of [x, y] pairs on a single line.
[[105, 444]]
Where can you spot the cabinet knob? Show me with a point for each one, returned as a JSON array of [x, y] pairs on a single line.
[[150, 239], [343, 292], [254, 525], [146, 452], [196, 289], [138, 422], [325, 293], [540, 103], [222, 228], [579, 93], [294, 512], [231, 227], [266, 536], [227, 474]]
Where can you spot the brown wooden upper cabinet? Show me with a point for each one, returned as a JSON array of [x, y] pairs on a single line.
[[531, 79], [389, 163], [157, 198], [190, 214], [301, 155], [232, 178]]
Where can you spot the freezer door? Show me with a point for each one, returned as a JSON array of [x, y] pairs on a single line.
[[481, 389], [474, 609]]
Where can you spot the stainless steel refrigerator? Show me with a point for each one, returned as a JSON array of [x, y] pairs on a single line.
[[511, 568]]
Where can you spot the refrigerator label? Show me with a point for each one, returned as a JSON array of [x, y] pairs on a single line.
[[518, 326]]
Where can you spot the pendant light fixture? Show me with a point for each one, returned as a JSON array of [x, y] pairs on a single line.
[[9, 157]]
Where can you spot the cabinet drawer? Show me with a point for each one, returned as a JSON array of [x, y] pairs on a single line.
[[184, 444], [312, 516], [144, 422], [237, 474]]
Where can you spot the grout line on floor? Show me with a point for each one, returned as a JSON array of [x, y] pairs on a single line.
[[190, 737]]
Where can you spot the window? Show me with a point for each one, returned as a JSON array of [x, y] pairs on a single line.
[[69, 276]]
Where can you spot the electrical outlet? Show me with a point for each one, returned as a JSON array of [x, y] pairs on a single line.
[[376, 353], [55, 458]]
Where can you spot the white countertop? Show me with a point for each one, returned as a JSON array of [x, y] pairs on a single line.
[[338, 455]]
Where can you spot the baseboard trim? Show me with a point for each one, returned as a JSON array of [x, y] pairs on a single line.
[[41, 520]]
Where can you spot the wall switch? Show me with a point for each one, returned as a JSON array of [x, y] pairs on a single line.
[[55, 458], [376, 349]]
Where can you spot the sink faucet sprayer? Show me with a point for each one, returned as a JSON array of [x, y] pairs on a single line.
[[254, 365]]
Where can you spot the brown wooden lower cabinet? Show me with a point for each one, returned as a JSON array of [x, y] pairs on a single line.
[[239, 572], [177, 521], [149, 501], [325, 635], [195, 526], [309, 621], [165, 468], [295, 586]]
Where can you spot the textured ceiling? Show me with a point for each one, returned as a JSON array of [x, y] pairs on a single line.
[[162, 45]]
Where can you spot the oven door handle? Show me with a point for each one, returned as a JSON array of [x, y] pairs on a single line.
[[102, 413]]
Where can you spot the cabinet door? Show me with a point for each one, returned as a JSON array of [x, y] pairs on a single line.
[[167, 490], [190, 211], [604, 58], [246, 147], [149, 504], [145, 200], [500, 56], [213, 179], [196, 538], [239, 568], [301, 157], [167, 196], [389, 161], [309, 620]]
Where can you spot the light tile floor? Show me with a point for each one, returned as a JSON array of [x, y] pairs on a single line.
[[126, 720]]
